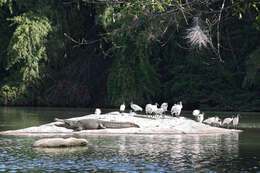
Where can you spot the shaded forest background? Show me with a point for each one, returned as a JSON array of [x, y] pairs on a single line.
[[102, 53]]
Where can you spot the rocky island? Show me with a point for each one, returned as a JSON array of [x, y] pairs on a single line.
[[142, 125]]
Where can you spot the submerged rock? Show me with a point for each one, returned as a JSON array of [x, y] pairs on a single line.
[[60, 142]]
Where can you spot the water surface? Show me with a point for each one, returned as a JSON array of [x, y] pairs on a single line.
[[127, 153]]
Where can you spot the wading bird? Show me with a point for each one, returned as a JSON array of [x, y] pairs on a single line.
[[236, 121], [164, 106], [200, 117], [135, 107], [176, 109], [218, 122], [98, 111], [150, 109], [212, 120], [227, 121], [196, 112], [159, 112], [122, 107]]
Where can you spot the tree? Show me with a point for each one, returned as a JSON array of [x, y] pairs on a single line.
[[27, 47]]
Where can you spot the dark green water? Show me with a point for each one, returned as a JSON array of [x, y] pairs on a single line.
[[128, 153]]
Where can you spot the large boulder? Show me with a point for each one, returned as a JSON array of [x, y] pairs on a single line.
[[166, 125], [60, 142]]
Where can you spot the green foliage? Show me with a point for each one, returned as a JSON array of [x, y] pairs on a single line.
[[131, 70], [66, 93], [75, 53], [241, 9], [9, 3], [27, 46], [147, 32], [133, 35], [252, 78], [8, 93], [5, 35]]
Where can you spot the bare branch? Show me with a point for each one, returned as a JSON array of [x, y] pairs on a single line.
[[218, 32], [82, 42]]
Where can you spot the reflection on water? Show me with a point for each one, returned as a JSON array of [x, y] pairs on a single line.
[[61, 150], [178, 152], [128, 153], [125, 154]]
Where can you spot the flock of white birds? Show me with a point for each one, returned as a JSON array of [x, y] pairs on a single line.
[[153, 111], [216, 121]]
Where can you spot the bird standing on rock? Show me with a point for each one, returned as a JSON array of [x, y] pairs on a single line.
[[164, 106], [162, 109], [196, 112], [227, 121], [122, 107], [212, 120], [135, 107], [98, 111], [150, 109], [200, 117], [236, 121], [176, 109]]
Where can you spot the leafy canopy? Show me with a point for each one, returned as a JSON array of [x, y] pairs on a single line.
[[27, 46]]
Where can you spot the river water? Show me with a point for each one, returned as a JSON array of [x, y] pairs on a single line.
[[128, 153]]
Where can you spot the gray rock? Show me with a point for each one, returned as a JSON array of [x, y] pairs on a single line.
[[60, 142]]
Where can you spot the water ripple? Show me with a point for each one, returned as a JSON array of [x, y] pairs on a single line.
[[176, 153]]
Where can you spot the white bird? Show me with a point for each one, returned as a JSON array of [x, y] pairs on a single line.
[[150, 109], [135, 107], [164, 106], [98, 111], [200, 117], [227, 121], [218, 121], [236, 121], [211, 120], [159, 112], [122, 107], [196, 112], [176, 109]]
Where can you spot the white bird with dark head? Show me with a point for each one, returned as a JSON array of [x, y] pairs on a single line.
[[218, 121], [135, 107], [200, 117], [176, 109]]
